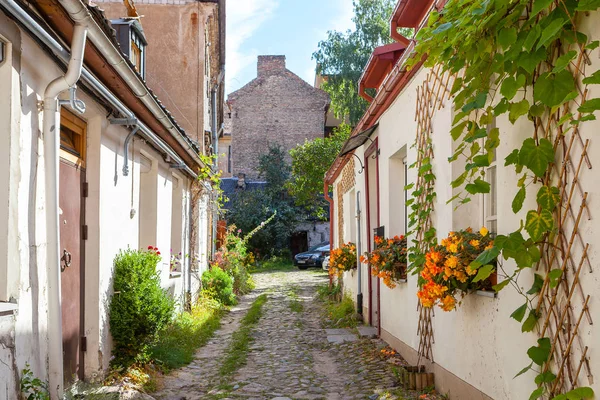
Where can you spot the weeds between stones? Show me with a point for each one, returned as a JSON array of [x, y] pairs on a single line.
[[295, 304], [237, 353]]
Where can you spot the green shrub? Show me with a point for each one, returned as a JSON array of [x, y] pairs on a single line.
[[139, 308], [218, 284]]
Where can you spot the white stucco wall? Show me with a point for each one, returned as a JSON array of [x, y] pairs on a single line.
[[112, 226], [479, 342]]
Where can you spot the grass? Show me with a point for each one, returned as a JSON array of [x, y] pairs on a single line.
[[295, 303], [340, 314], [274, 264], [188, 332], [237, 353]]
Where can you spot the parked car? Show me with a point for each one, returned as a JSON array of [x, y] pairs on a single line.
[[313, 257], [326, 263]]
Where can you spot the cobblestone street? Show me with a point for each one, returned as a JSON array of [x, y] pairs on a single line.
[[290, 356]]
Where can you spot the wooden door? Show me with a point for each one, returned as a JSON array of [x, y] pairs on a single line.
[[373, 211], [71, 192]]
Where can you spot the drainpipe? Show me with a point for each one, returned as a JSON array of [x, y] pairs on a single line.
[[51, 128], [215, 133], [359, 295]]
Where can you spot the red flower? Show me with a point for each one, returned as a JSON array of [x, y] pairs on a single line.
[[150, 247], [156, 249], [158, 253]]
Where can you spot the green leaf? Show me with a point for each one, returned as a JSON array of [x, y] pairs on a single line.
[[517, 202], [512, 158], [519, 313], [548, 197], [536, 158], [532, 37], [537, 110], [501, 285], [507, 37], [552, 89], [588, 5], [485, 257], [478, 186], [550, 31], [529, 60], [593, 45], [501, 107], [540, 5], [477, 103], [593, 79], [563, 61], [518, 109], [583, 393], [442, 28], [536, 394], [521, 372], [539, 354], [530, 322], [457, 131], [509, 88], [545, 377], [590, 106], [538, 224], [554, 276], [538, 283], [484, 272]]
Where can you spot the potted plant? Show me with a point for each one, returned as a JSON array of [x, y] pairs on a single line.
[[388, 260], [456, 267]]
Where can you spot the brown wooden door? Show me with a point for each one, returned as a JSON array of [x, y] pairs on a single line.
[[72, 176], [71, 268]]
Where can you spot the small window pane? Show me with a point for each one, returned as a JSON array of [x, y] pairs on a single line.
[[493, 195]]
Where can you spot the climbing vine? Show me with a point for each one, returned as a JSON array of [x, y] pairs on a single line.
[[524, 59], [209, 175]]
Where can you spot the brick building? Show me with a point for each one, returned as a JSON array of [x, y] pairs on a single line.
[[277, 107]]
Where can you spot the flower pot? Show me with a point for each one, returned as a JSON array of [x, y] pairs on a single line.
[[415, 378]]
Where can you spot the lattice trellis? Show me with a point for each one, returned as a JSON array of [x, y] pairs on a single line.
[[347, 182], [431, 96], [565, 308]]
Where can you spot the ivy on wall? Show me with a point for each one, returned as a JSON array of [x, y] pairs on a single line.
[[526, 60]]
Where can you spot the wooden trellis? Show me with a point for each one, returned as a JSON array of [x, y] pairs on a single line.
[[564, 307], [431, 96]]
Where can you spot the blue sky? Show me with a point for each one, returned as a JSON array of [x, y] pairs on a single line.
[[289, 27]]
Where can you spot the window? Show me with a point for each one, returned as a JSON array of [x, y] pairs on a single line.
[[177, 256], [2, 51], [72, 137], [132, 41]]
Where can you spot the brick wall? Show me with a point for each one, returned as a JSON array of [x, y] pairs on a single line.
[[277, 107]]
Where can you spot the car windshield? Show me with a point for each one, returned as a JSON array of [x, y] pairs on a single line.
[[320, 246]]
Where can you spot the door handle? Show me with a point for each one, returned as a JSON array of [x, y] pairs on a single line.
[[65, 260]]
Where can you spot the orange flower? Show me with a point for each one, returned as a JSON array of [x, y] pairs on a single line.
[[474, 243], [448, 303]]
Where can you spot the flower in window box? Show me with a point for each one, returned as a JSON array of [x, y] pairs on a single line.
[[388, 259], [449, 270]]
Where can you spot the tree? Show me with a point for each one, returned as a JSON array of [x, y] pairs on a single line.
[[310, 161], [342, 57], [250, 207]]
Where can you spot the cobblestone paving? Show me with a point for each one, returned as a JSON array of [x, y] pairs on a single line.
[[290, 357]]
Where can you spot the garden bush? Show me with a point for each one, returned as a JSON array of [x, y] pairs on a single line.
[[218, 284], [139, 308]]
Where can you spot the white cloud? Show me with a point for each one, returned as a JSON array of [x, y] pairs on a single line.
[[244, 17]]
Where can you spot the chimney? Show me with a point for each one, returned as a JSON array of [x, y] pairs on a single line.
[[269, 65]]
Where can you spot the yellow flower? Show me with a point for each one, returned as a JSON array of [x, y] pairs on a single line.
[[474, 243], [451, 262], [483, 231]]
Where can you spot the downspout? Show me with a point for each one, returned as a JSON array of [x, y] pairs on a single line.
[[359, 295], [51, 128], [362, 92]]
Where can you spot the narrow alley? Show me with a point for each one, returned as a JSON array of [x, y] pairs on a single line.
[[290, 356]]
